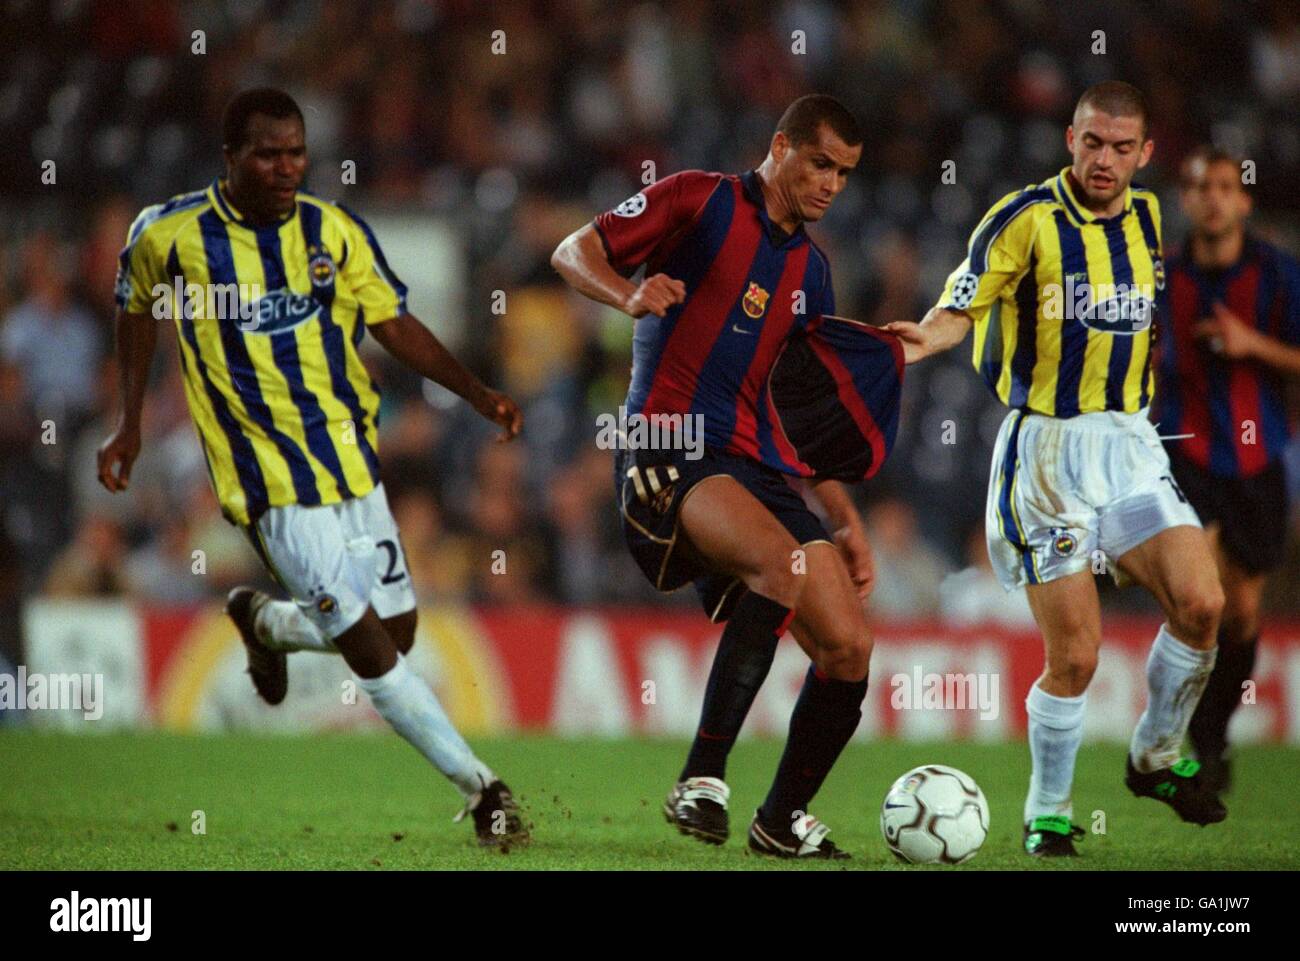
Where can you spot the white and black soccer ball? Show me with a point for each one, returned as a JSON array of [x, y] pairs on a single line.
[[934, 814]]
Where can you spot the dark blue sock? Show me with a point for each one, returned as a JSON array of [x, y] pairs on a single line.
[[825, 717], [1233, 666], [741, 664]]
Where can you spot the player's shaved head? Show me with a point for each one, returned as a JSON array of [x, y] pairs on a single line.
[[1109, 143], [246, 104], [801, 119], [1117, 98]]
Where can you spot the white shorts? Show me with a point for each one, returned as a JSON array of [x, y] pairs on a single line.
[[1073, 494], [338, 559]]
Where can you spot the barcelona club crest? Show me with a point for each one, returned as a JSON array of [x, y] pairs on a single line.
[[320, 266], [1063, 542], [754, 301]]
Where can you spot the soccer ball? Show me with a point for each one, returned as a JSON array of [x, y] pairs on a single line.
[[934, 815]]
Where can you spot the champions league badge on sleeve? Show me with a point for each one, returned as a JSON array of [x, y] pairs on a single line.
[[634, 206], [964, 290]]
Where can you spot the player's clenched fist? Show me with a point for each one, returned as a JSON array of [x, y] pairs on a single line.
[[655, 295], [116, 455]]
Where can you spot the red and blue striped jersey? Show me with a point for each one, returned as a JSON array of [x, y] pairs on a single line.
[[1234, 410], [749, 287]]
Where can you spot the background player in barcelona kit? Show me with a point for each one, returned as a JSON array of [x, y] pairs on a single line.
[[731, 276], [1231, 336], [286, 413], [1078, 471]]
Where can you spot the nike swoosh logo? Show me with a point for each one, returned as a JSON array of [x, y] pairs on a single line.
[[741, 330], [891, 806]]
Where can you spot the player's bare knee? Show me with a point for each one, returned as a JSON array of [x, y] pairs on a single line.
[[366, 647], [1239, 622], [1073, 672], [401, 628], [1196, 614], [847, 664], [846, 657]]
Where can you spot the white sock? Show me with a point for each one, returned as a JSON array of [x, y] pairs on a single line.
[[403, 700], [1055, 732], [282, 626], [1176, 678]]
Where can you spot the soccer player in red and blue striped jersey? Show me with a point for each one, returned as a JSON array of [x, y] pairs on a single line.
[[731, 277], [1232, 337]]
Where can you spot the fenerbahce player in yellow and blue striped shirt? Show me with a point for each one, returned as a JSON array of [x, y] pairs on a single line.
[[270, 290], [1060, 286]]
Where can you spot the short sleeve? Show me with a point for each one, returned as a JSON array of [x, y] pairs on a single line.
[[999, 254], [365, 271], [633, 229], [140, 268]]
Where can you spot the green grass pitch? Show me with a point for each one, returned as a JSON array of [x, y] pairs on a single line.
[[367, 801]]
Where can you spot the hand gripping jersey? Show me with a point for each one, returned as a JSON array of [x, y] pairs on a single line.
[[833, 397]]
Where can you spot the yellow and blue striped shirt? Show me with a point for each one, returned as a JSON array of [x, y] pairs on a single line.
[[268, 318], [1063, 300]]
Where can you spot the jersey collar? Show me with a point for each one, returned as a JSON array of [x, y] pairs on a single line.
[[753, 190], [1249, 254], [1080, 215], [227, 212]]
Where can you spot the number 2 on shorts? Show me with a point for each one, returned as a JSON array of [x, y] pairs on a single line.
[[392, 576]]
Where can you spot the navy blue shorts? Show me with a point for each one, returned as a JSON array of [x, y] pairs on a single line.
[[1251, 511], [650, 486]]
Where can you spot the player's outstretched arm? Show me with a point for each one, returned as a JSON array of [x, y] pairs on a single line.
[[581, 260], [415, 346], [137, 336], [940, 330]]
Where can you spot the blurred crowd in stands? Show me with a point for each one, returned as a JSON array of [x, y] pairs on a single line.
[[513, 150]]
